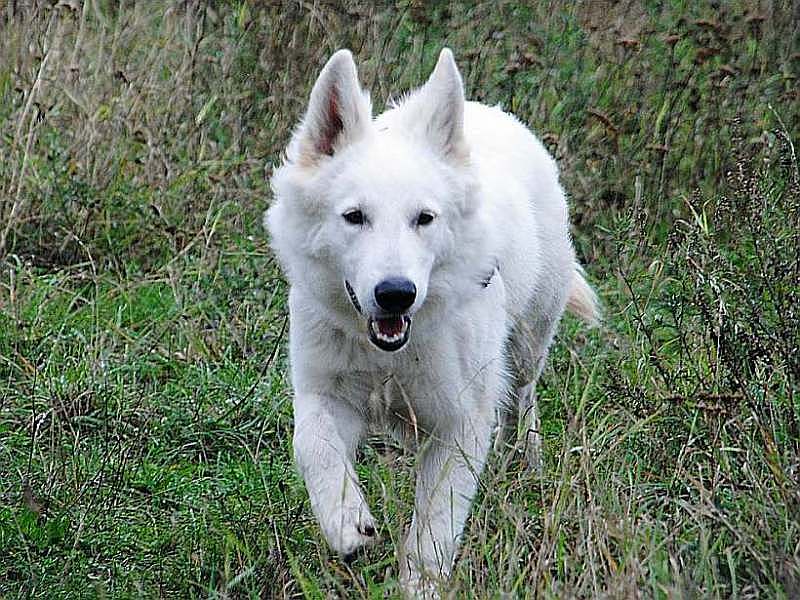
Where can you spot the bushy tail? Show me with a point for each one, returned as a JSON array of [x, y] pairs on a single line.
[[582, 301]]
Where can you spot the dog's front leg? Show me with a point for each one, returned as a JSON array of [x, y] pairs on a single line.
[[326, 435], [450, 466]]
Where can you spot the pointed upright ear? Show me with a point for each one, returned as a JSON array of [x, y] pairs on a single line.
[[339, 112], [440, 108]]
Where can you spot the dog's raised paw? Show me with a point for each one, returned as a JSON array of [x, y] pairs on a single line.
[[350, 530], [367, 529]]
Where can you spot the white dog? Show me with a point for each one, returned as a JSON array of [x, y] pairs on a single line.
[[430, 261]]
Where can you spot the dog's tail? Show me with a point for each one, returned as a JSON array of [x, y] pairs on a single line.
[[582, 301]]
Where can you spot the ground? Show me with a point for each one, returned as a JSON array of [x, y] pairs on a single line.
[[145, 415]]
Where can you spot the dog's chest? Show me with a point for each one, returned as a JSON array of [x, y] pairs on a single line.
[[434, 381], [402, 401]]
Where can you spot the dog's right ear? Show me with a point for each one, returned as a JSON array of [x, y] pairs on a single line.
[[339, 112]]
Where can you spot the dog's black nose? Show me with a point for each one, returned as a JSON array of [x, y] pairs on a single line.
[[395, 294]]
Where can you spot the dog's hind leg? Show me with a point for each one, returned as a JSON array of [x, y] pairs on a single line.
[[530, 346], [529, 434], [503, 414]]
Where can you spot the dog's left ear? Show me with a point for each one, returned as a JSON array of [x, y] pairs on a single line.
[[440, 108], [339, 111]]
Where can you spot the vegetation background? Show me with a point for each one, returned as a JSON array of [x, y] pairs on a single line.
[[145, 421]]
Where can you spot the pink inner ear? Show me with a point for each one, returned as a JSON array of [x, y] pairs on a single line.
[[332, 125]]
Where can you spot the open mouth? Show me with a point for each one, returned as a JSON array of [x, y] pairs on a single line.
[[389, 333]]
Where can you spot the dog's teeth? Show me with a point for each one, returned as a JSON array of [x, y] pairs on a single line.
[[389, 339]]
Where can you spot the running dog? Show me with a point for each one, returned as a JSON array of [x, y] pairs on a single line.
[[429, 261]]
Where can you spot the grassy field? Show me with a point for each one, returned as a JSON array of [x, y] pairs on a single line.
[[145, 414]]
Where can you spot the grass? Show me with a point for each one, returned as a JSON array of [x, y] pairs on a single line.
[[145, 414]]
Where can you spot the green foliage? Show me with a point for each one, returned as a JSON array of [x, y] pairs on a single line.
[[145, 418]]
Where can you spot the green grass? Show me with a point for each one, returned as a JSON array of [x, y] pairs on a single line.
[[145, 407]]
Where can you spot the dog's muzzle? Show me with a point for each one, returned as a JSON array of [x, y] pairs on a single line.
[[387, 332]]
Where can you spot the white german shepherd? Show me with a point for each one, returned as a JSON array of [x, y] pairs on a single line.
[[429, 259]]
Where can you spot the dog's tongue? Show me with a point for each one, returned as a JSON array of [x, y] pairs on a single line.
[[391, 326]]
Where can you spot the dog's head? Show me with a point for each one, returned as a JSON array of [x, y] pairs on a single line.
[[371, 211]]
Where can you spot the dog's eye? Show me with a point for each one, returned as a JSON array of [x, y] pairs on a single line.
[[424, 218], [354, 217]]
